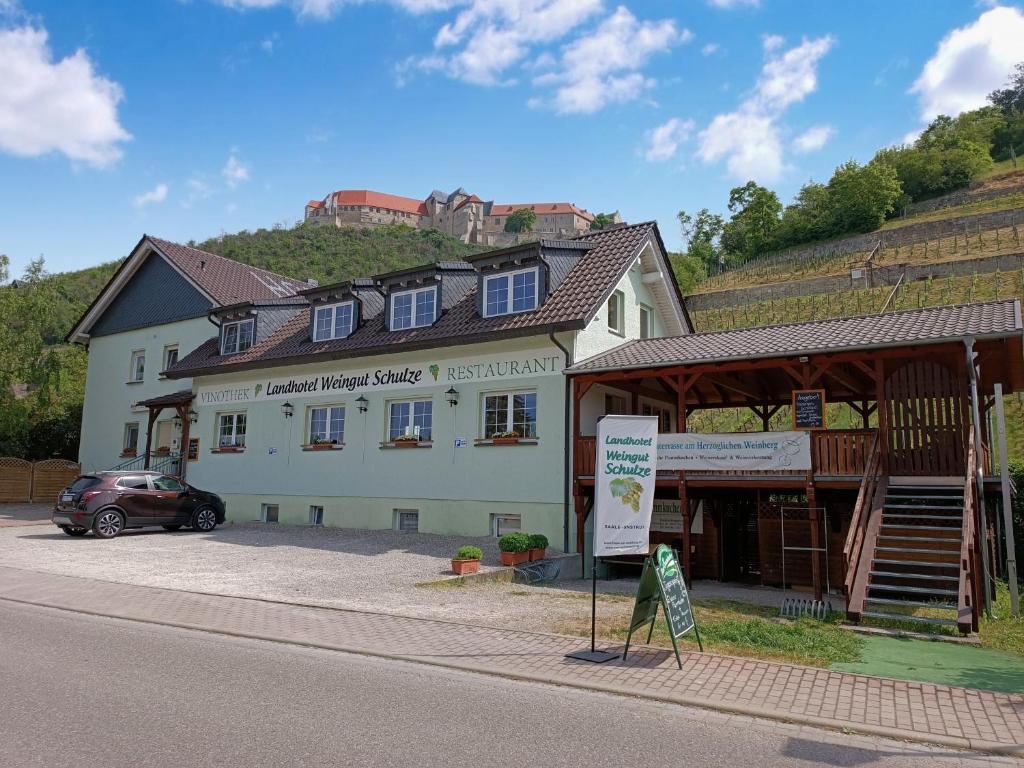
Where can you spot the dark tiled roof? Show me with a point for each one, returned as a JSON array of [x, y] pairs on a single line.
[[226, 281], [182, 397], [582, 290], [915, 326]]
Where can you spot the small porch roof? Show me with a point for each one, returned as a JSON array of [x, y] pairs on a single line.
[[173, 400]]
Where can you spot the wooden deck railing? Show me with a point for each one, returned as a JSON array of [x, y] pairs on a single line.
[[863, 531], [970, 585]]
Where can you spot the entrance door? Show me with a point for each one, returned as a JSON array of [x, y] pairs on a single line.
[[926, 406], [741, 558]]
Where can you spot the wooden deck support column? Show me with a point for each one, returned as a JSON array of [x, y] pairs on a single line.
[[186, 423], [577, 498], [683, 386], [154, 413]]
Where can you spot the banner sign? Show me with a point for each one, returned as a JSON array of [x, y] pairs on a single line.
[[667, 516], [735, 451], [625, 474], [343, 380], [661, 583]]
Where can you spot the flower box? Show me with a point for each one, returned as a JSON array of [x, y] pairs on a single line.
[[321, 446], [515, 558], [162, 452], [463, 567], [504, 440], [537, 553], [229, 449], [406, 443], [127, 454]]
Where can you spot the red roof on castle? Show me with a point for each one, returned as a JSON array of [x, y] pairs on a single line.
[[367, 197], [541, 209]]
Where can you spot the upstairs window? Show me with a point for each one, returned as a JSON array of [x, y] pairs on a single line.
[[413, 309], [170, 355], [138, 369], [645, 322], [237, 336], [510, 292], [333, 322], [615, 318]]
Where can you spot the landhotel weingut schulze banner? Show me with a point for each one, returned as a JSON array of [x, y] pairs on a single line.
[[627, 456]]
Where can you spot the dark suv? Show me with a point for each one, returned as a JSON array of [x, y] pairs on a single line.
[[109, 502]]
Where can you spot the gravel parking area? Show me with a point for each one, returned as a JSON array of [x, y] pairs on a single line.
[[24, 514]]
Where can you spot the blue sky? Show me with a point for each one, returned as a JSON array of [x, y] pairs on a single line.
[[188, 118]]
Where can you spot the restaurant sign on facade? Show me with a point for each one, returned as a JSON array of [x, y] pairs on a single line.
[[413, 376]]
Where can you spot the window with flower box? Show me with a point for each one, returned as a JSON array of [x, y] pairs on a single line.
[[509, 416], [231, 430], [410, 420]]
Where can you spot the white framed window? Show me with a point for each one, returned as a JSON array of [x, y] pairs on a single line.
[[407, 520], [333, 321], [510, 414], [269, 513], [237, 336], [138, 369], [326, 424], [502, 524], [615, 405], [615, 305], [131, 437], [316, 515], [410, 418], [645, 322], [413, 309], [664, 416], [231, 430], [170, 355], [510, 292]]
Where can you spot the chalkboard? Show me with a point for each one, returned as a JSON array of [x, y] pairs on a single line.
[[661, 583], [808, 409]]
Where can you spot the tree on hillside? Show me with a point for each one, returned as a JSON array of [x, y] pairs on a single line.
[[521, 220], [809, 217], [1011, 98], [602, 221], [862, 195], [701, 233], [755, 217]]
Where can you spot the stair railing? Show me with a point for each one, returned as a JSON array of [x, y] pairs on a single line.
[[970, 585], [859, 538]]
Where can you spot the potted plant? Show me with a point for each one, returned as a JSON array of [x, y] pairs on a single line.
[[322, 444], [538, 546], [505, 438], [467, 560], [515, 548], [128, 453], [162, 450]]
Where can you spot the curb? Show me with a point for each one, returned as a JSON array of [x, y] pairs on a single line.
[[899, 734]]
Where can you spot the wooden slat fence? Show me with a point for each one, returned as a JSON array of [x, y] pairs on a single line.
[[926, 406], [15, 479], [22, 481]]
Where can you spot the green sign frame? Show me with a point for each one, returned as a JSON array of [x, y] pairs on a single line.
[[661, 583]]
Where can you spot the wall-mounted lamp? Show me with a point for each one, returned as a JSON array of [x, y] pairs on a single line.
[[804, 359], [362, 404], [452, 396], [177, 422], [193, 417], [288, 410]]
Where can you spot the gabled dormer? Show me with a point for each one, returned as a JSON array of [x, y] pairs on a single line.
[[246, 324], [417, 297], [338, 310]]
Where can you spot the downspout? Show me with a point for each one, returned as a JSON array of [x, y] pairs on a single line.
[[567, 448], [980, 472]]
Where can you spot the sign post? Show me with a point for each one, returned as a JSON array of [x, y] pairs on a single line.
[[625, 471], [661, 583]]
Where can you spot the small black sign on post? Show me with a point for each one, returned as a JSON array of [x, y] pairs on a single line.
[[808, 409], [661, 583]]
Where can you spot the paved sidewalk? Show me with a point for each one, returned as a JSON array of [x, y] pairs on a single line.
[[956, 717]]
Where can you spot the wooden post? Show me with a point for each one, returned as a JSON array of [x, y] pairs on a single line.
[[684, 501], [576, 495], [866, 414], [883, 416], [153, 414], [812, 511], [183, 452]]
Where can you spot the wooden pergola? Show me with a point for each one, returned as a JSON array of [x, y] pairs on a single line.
[[181, 403]]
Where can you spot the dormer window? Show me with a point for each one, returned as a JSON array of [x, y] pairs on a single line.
[[237, 336], [510, 292], [413, 309], [333, 321]]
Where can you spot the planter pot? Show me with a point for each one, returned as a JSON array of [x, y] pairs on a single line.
[[515, 558], [128, 454], [159, 452], [321, 446], [462, 567], [537, 554], [229, 449], [505, 440], [406, 443]]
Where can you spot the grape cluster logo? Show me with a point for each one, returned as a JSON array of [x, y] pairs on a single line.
[[434, 370], [627, 490]]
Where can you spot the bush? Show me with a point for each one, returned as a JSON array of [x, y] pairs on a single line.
[[514, 542], [469, 553], [538, 541]]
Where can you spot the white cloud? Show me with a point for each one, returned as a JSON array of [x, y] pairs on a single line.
[[813, 139], [970, 62], [709, 49], [156, 195], [748, 139], [235, 171], [772, 42], [198, 189], [664, 140], [730, 4], [56, 106]]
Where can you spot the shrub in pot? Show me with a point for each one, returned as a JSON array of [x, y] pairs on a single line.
[[515, 548], [467, 560], [538, 546]]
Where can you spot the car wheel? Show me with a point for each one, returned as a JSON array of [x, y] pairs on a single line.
[[108, 524], [171, 527], [71, 530], [204, 519]]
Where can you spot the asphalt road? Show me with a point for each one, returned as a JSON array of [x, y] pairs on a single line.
[[82, 691]]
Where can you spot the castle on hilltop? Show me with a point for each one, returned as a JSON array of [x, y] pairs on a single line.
[[458, 214]]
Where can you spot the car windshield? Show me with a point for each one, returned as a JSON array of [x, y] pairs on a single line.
[[86, 481]]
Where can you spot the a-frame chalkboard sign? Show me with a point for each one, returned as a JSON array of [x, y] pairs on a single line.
[[661, 583]]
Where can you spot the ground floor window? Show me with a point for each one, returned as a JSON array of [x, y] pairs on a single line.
[[327, 424], [231, 430], [502, 524], [407, 520], [510, 414], [268, 513], [664, 416], [316, 515], [410, 418], [131, 437], [615, 405]]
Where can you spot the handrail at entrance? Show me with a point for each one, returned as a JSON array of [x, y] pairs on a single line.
[[859, 532]]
